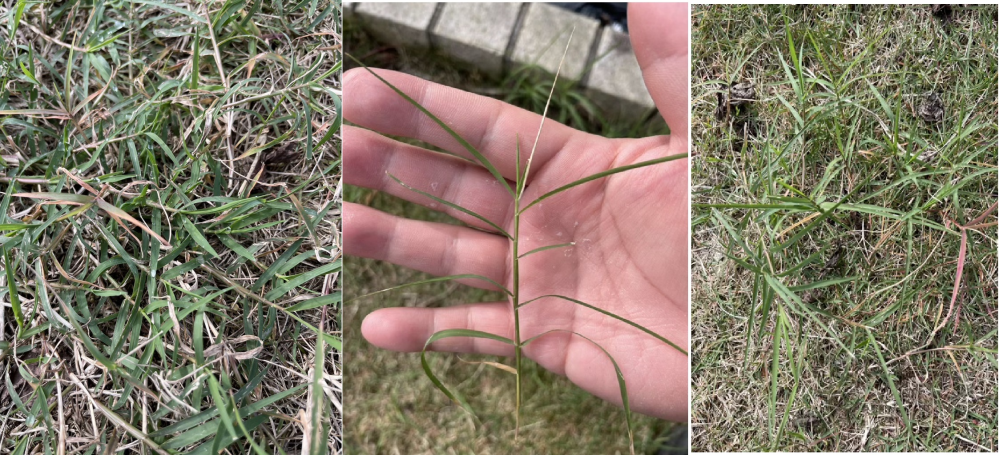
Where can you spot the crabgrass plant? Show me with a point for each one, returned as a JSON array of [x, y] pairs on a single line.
[[168, 229], [517, 300], [797, 224]]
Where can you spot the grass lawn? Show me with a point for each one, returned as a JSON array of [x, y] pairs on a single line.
[[392, 406], [827, 229], [170, 227]]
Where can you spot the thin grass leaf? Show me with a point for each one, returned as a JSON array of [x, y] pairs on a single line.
[[65, 198], [318, 302], [15, 18], [223, 406], [733, 233], [317, 442], [796, 374], [823, 283], [122, 423], [451, 333], [454, 206], [433, 280], [603, 174], [496, 365], [549, 247], [15, 300], [225, 440], [752, 323], [14, 227], [793, 298], [282, 289], [478, 155], [620, 380], [273, 269], [80, 199], [198, 237], [201, 424], [891, 383], [544, 115], [778, 337], [608, 313]]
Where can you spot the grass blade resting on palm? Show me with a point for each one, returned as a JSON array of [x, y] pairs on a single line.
[[472, 150]]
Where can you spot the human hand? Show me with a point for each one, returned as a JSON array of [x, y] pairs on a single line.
[[630, 229]]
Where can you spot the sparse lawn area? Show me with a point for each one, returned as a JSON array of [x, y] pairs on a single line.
[[170, 227], [392, 406], [826, 237]]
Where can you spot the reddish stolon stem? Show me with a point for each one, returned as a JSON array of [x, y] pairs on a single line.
[[961, 257]]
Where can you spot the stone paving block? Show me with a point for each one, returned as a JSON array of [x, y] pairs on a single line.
[[477, 33], [544, 34], [615, 83], [398, 24]]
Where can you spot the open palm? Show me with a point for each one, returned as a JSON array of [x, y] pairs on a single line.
[[629, 230]]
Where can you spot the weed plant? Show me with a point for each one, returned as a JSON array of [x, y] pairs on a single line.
[[844, 267], [513, 293], [169, 227]]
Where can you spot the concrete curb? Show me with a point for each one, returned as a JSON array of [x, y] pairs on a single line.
[[500, 37]]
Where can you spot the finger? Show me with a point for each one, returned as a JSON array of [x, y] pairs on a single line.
[[407, 329], [490, 125], [659, 37], [370, 159], [438, 249]]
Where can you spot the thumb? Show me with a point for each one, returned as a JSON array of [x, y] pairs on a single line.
[[659, 38]]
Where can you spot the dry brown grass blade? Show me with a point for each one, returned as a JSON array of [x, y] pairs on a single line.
[[120, 422], [497, 365], [68, 277], [40, 113]]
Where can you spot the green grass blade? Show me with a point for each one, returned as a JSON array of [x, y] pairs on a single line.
[[273, 269], [282, 289], [603, 174], [778, 337], [318, 302], [454, 206], [432, 280], [223, 406], [451, 333], [15, 300], [225, 440], [198, 237], [478, 155], [316, 439], [15, 18], [891, 383], [620, 380], [549, 247], [822, 283], [796, 374], [202, 425], [808, 310], [612, 315], [752, 321], [733, 233]]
